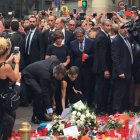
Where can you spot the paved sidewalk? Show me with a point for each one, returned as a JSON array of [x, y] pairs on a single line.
[[24, 115]]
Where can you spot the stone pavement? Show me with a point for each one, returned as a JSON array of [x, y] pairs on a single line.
[[24, 114]]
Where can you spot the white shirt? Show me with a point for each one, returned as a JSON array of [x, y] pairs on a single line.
[[104, 32], [32, 34], [83, 43], [63, 31], [52, 30]]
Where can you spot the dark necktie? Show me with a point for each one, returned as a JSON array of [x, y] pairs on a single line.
[[50, 37], [28, 43], [109, 37], [129, 48]]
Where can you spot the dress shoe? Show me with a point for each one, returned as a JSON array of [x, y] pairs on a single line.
[[35, 120], [49, 117], [102, 113], [136, 109]]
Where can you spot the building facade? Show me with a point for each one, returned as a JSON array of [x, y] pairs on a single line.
[[23, 7], [131, 3]]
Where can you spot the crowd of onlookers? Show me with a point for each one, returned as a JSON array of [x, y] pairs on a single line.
[[101, 57]]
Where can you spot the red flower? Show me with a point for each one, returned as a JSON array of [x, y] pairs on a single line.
[[67, 125]]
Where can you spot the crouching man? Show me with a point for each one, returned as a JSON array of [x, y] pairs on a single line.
[[41, 79]]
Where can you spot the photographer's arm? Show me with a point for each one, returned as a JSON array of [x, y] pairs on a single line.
[[122, 20], [13, 75], [10, 59]]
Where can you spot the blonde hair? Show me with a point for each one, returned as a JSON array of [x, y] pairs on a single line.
[[5, 45]]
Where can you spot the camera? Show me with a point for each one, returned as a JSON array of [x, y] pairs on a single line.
[[134, 8], [109, 15], [82, 15], [133, 29], [16, 50], [43, 12]]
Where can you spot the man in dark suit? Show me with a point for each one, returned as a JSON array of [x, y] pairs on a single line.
[[81, 54], [122, 68], [41, 77], [72, 25], [7, 31], [32, 51], [68, 36], [102, 66], [46, 36], [17, 38]]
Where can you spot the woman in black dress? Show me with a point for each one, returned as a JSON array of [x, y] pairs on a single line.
[[7, 74], [58, 49], [61, 52], [70, 94]]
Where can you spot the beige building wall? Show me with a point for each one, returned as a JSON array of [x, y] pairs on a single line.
[[102, 6]]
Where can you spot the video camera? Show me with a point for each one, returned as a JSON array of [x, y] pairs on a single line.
[[134, 29]]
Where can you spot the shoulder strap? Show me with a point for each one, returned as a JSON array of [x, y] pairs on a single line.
[[2, 63]]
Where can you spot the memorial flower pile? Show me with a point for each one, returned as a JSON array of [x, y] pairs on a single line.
[[80, 116], [80, 123]]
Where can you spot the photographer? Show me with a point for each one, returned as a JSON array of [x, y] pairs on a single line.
[[7, 74]]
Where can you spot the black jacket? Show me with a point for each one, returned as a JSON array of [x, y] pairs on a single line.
[[102, 54], [76, 54], [42, 73], [36, 52], [17, 39], [121, 58]]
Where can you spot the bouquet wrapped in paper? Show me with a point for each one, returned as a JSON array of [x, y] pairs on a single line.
[[134, 133]]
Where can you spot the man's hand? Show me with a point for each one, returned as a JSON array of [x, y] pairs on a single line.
[[106, 74], [122, 76]]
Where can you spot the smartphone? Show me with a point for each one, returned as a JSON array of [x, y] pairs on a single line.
[[74, 11], [71, 16], [16, 50], [10, 13], [109, 15]]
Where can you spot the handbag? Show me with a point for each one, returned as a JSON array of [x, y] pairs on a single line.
[[10, 100]]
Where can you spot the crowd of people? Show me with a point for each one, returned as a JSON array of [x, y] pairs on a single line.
[[62, 60]]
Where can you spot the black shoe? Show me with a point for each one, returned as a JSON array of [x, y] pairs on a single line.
[[49, 117], [102, 113], [136, 109], [35, 120]]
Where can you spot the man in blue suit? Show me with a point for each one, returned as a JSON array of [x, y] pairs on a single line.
[[81, 52]]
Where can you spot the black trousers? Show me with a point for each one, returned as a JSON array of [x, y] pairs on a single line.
[[121, 94], [41, 101], [102, 89], [58, 97], [85, 82], [7, 120]]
